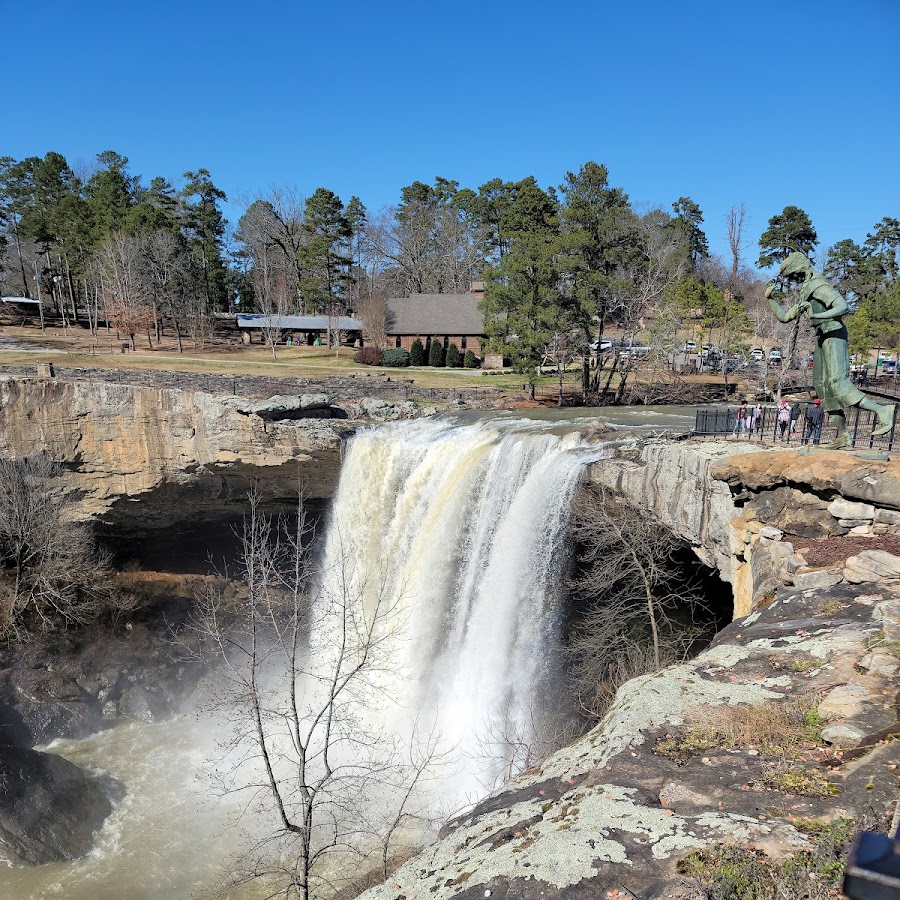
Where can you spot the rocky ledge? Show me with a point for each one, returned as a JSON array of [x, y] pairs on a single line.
[[784, 725]]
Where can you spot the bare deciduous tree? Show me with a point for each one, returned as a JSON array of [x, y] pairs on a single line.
[[628, 590], [52, 573], [303, 657]]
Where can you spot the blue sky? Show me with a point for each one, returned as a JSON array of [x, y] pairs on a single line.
[[765, 103]]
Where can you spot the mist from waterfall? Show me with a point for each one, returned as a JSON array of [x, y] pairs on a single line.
[[465, 526]]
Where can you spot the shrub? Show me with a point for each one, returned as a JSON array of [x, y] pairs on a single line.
[[471, 360], [368, 356], [436, 354], [395, 359], [454, 360], [417, 353]]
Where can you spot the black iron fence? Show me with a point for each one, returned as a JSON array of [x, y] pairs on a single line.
[[764, 426]]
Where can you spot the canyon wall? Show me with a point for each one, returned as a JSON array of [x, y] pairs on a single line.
[[183, 453]]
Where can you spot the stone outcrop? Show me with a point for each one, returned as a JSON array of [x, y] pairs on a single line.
[[50, 809], [616, 810], [672, 480], [189, 450], [745, 510]]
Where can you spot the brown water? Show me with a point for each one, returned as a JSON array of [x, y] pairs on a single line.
[[164, 840]]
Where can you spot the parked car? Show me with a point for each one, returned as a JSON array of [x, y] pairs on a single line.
[[758, 354], [775, 362], [636, 350], [776, 353], [810, 360], [689, 347], [603, 346], [889, 367]]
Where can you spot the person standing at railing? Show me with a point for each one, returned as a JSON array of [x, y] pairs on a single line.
[[795, 418], [740, 420], [757, 419], [814, 416], [784, 419]]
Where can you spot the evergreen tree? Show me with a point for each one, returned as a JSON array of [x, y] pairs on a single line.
[[417, 353], [688, 219], [436, 354], [788, 231], [454, 359], [205, 227], [471, 361], [110, 195], [523, 305], [326, 263]]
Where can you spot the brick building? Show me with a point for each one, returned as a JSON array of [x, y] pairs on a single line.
[[448, 318]]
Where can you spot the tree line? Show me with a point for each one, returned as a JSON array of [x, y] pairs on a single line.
[[561, 265]]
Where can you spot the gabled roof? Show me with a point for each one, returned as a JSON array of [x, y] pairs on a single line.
[[300, 323], [450, 314]]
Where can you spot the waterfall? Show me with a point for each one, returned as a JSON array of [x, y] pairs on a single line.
[[465, 525]]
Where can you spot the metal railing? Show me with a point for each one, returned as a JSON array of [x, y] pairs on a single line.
[[766, 427]]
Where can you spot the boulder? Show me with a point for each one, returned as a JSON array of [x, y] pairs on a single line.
[[816, 580], [843, 734], [844, 701], [889, 613], [847, 509], [770, 533], [142, 705], [50, 809], [887, 517], [872, 566]]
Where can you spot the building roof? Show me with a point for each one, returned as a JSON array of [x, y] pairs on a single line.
[[448, 314], [21, 301], [300, 323]]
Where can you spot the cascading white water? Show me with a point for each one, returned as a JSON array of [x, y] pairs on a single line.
[[465, 524]]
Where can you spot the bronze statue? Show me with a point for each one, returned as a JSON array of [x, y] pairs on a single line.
[[831, 366]]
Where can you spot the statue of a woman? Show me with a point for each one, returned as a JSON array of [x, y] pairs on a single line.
[[831, 365]]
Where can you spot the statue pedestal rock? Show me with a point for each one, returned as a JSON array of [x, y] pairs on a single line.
[[826, 309]]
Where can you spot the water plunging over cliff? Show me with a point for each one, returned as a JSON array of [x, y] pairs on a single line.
[[466, 525]]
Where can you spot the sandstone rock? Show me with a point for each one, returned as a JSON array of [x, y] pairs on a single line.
[[816, 580], [872, 566], [853, 523], [769, 533], [160, 445], [889, 613], [768, 565], [861, 530], [881, 664], [844, 701], [847, 509], [674, 794], [49, 808], [887, 516], [843, 735]]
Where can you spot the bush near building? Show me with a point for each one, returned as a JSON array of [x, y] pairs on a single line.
[[471, 360], [454, 359], [368, 356], [396, 359], [436, 355], [417, 353]]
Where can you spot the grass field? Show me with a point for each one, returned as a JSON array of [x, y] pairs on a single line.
[[77, 348]]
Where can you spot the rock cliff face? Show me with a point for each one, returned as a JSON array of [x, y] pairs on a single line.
[[672, 479], [184, 453]]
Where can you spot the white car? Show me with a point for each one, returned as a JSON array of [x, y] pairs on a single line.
[[758, 354]]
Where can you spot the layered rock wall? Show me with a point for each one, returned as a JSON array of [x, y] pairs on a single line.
[[121, 442]]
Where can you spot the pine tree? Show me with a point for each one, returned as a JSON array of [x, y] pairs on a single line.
[[788, 231], [454, 360], [417, 353]]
